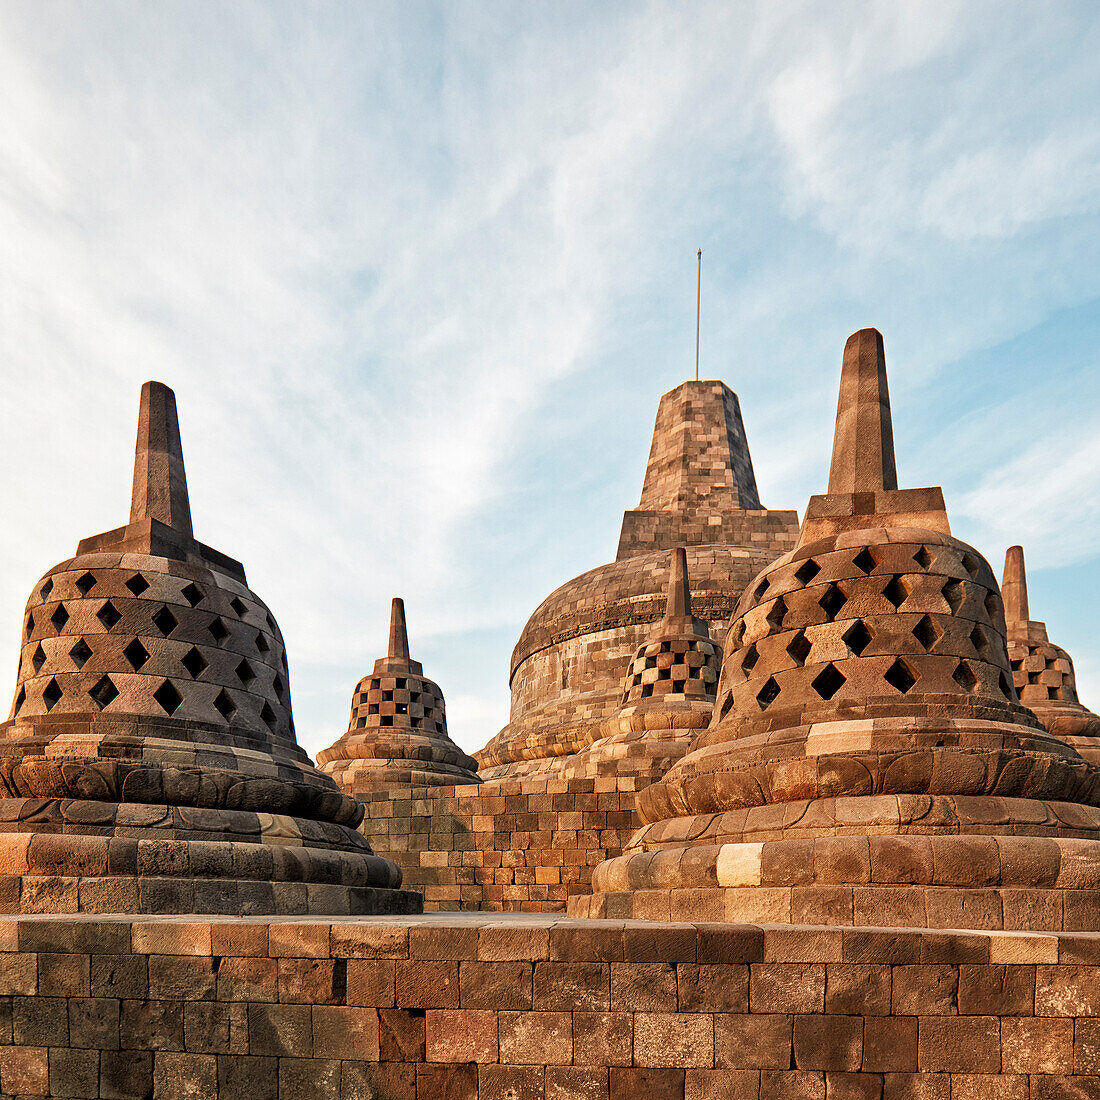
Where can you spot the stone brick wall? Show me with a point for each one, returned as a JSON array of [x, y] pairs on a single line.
[[479, 1008], [508, 845]]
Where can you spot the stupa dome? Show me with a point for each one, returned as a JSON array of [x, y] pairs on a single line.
[[867, 733], [700, 493], [397, 734], [668, 693], [1043, 672], [149, 763]]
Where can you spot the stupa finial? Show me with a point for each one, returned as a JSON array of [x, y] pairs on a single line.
[[399, 636], [1014, 586], [160, 482], [863, 445], [678, 604]]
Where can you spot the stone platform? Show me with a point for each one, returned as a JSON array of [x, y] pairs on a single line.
[[472, 1007]]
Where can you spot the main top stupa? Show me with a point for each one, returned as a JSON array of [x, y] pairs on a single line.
[[699, 493], [149, 763]]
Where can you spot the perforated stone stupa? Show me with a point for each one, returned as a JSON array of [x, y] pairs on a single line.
[[1043, 672], [150, 763], [700, 493], [668, 693], [868, 761], [397, 735]]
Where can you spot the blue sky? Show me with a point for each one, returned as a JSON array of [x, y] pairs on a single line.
[[419, 274]]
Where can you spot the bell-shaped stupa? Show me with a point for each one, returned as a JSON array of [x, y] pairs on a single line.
[[868, 761], [668, 693], [397, 735], [149, 764], [1042, 671]]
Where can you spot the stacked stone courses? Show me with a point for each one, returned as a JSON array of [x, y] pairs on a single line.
[[868, 761], [542, 1009], [150, 763]]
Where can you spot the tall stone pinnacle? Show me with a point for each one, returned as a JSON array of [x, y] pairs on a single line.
[[678, 606], [863, 446], [1014, 586], [399, 636], [160, 482]]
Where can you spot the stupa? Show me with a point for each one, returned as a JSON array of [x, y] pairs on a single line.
[[868, 761], [1043, 672], [397, 735], [149, 764], [699, 492], [668, 693]]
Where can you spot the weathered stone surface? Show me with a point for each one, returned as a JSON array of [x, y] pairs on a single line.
[[149, 763], [397, 735], [867, 666]]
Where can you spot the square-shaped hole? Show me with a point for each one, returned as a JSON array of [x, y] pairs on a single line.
[[85, 583], [829, 681], [165, 621], [80, 653], [137, 584], [194, 662], [136, 654], [192, 594]]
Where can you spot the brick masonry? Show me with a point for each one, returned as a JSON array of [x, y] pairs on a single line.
[[506, 845], [482, 1008]]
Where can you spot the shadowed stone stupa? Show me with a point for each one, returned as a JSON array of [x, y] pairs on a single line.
[[150, 763], [868, 761], [1043, 672], [397, 734]]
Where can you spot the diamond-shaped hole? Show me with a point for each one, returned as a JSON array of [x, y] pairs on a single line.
[[271, 623], [748, 662], [954, 593], [59, 618], [47, 588], [865, 561], [923, 558], [20, 699], [761, 588], [51, 695], [194, 662], [192, 594], [218, 630], [224, 705], [261, 643], [829, 681], [244, 673], [899, 675], [80, 653], [971, 564], [137, 584], [38, 659], [927, 633], [799, 648], [30, 624], [897, 591], [979, 641], [104, 692], [777, 613], [857, 637], [1007, 690], [108, 614], [964, 676], [168, 697], [768, 693], [992, 606], [267, 716], [238, 608], [831, 603], [807, 571], [165, 621], [136, 654], [277, 684], [85, 583]]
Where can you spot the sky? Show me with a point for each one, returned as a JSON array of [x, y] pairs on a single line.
[[420, 272]]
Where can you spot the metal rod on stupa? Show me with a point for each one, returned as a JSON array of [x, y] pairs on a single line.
[[160, 481], [863, 445], [1014, 586], [698, 296]]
